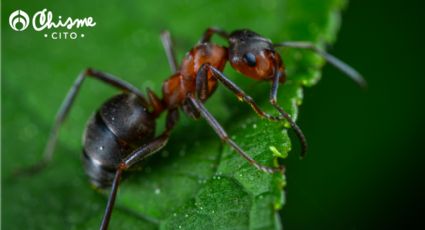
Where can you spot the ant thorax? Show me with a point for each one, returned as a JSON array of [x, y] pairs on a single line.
[[203, 53]]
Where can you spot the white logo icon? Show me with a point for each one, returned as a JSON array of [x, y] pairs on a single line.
[[44, 20], [19, 17]]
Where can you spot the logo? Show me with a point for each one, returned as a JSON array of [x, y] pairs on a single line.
[[21, 18], [53, 27]]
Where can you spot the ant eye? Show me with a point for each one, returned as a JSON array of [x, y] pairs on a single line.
[[250, 59]]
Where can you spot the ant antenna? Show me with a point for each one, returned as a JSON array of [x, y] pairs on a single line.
[[343, 67]]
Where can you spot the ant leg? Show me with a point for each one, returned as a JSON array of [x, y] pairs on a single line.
[[136, 156], [273, 101], [202, 90], [155, 102], [223, 136], [343, 67], [111, 199], [206, 37], [169, 50], [66, 106]]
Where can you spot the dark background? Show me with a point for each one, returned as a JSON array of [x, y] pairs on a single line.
[[365, 169], [365, 165]]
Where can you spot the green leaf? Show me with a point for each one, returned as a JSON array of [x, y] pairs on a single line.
[[195, 182]]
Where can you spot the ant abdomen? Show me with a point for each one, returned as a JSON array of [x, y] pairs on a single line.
[[122, 124]]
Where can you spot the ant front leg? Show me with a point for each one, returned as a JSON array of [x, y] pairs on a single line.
[[136, 156], [206, 37], [273, 101], [202, 90], [343, 67], [223, 136], [66, 106]]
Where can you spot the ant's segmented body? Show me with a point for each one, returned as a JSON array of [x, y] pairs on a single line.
[[121, 133]]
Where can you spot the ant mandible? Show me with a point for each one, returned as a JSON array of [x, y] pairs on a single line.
[[121, 133]]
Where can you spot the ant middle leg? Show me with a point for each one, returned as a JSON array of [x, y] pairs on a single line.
[[65, 108], [223, 136]]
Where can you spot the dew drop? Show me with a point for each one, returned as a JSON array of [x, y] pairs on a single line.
[[254, 126], [180, 226], [100, 148], [157, 191], [186, 215], [174, 214]]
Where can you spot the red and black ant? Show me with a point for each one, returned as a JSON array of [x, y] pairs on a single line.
[[121, 133]]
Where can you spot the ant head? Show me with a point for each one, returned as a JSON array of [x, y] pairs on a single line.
[[253, 55]]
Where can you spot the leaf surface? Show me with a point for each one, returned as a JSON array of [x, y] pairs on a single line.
[[195, 182]]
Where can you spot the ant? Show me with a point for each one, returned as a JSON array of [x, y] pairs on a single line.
[[122, 131]]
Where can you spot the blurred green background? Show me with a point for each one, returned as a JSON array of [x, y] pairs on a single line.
[[365, 165]]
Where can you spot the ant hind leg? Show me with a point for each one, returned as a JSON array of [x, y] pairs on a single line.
[[64, 111]]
